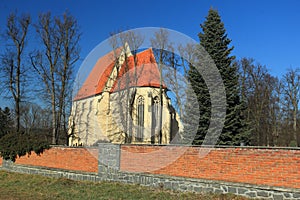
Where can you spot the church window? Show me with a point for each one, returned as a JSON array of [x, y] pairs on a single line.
[[140, 118], [155, 111]]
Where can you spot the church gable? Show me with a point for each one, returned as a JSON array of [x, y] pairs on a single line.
[[91, 83], [143, 72]]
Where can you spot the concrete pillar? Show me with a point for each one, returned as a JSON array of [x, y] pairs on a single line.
[[109, 156]]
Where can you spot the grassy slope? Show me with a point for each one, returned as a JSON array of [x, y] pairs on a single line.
[[23, 186]]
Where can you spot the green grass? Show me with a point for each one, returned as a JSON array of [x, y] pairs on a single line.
[[24, 186]]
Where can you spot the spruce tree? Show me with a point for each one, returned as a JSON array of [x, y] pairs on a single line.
[[215, 41], [6, 121], [197, 108]]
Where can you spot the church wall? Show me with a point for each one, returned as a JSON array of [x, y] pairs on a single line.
[[102, 117], [148, 94], [89, 120]]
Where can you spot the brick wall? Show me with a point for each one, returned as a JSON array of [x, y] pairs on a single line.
[[271, 167], [259, 166], [80, 159]]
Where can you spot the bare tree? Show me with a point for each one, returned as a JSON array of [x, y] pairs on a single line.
[[291, 81], [29, 116], [257, 88], [178, 80], [272, 104], [33, 117], [54, 63], [277, 114], [14, 69], [121, 43], [173, 69], [160, 43], [68, 32]]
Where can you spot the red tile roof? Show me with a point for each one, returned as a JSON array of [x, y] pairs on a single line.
[[146, 70], [91, 83]]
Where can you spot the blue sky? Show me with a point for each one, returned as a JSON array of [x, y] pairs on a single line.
[[265, 30]]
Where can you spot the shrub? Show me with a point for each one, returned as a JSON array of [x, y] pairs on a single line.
[[293, 143], [13, 145]]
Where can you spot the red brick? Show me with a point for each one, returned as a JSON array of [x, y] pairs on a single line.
[[79, 159], [272, 167]]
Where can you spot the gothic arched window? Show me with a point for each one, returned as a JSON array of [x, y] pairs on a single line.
[[155, 111], [140, 118]]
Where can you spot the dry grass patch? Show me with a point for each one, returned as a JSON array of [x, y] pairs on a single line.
[[24, 186]]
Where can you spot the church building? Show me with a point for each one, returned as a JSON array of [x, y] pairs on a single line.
[[123, 100]]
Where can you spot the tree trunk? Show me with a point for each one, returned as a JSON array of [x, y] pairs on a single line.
[[53, 119]]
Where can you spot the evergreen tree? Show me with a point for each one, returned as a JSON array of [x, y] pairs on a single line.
[[200, 89], [214, 40], [6, 121], [14, 144]]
